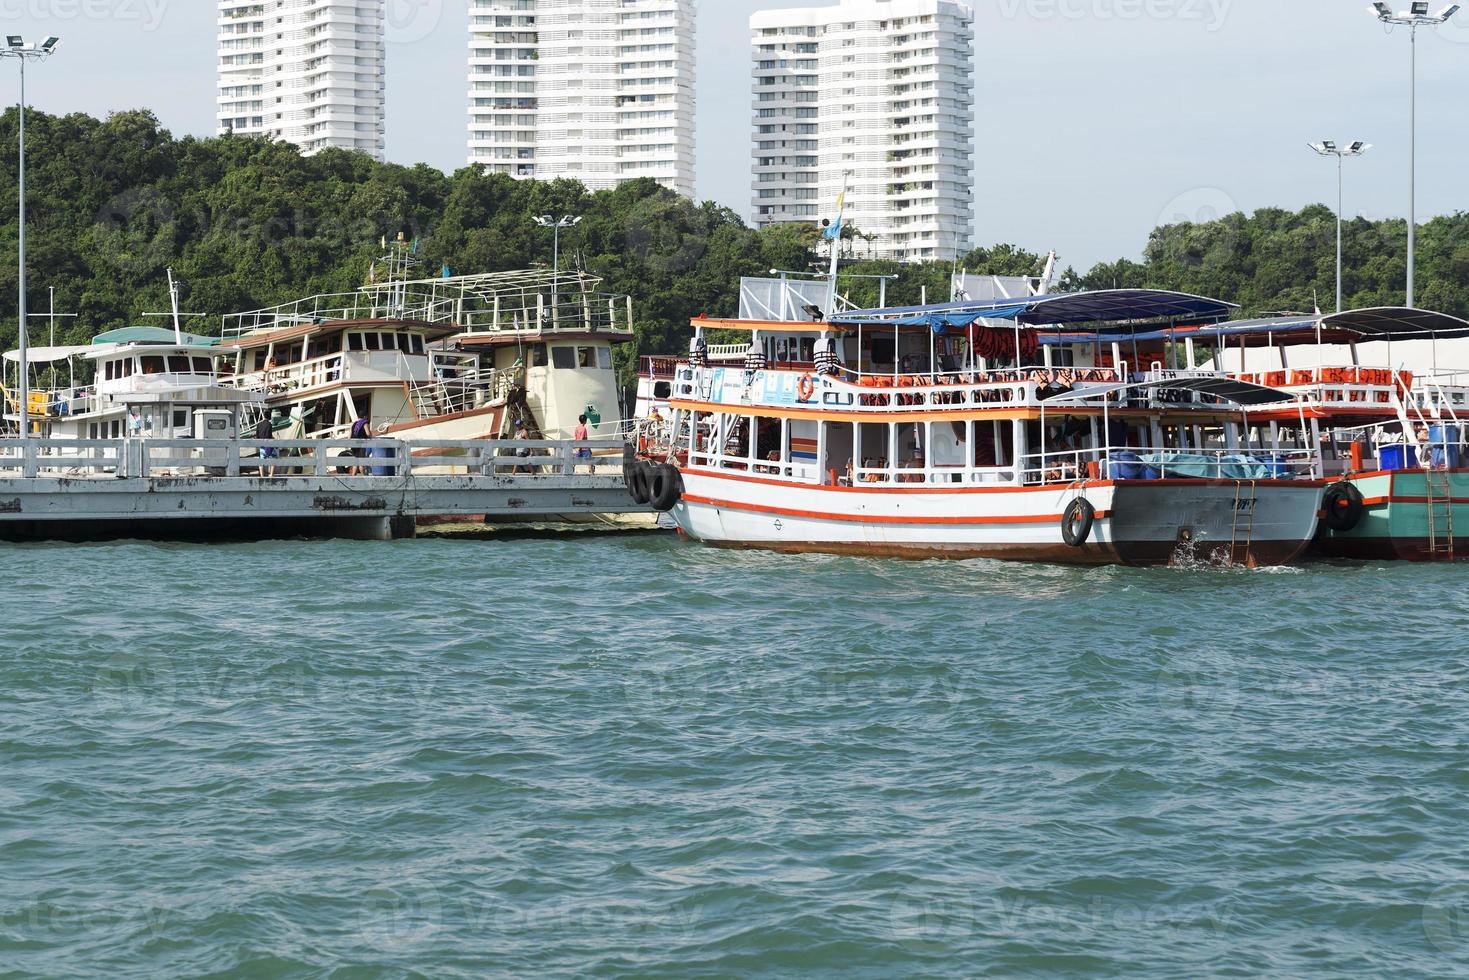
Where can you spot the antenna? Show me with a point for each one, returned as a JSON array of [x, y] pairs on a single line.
[[173, 299]]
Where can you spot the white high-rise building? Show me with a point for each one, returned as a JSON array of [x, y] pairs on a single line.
[[877, 95], [601, 91], [310, 72]]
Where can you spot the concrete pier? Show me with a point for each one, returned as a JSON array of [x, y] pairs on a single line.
[[197, 490]]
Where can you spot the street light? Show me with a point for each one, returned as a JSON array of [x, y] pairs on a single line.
[[547, 221], [1415, 17], [22, 51], [1328, 148]]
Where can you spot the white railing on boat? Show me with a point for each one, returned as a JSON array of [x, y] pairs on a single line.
[[528, 302], [1126, 463], [152, 458]]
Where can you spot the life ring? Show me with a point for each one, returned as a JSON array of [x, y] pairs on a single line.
[[639, 483], [805, 388], [665, 488], [1344, 507], [1077, 522]]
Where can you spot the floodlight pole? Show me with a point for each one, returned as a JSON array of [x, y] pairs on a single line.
[[1341, 165], [1412, 163], [1417, 16], [1328, 148], [25, 367], [17, 48]]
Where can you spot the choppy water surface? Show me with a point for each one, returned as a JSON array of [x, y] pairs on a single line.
[[629, 756]]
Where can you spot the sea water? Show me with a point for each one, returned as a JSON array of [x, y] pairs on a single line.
[[632, 756]]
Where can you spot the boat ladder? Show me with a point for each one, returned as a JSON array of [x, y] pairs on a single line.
[[1440, 513], [1243, 505]]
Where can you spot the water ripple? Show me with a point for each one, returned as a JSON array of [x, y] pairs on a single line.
[[629, 756]]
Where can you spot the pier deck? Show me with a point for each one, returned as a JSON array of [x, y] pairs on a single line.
[[208, 489]]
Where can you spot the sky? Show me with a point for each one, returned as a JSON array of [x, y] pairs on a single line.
[[1097, 119]]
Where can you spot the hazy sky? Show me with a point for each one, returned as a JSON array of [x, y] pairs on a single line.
[[1098, 119]]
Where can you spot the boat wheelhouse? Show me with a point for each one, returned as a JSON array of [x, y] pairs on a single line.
[[954, 431], [144, 381]]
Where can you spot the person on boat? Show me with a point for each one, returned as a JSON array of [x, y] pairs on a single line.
[[698, 350], [1425, 450]]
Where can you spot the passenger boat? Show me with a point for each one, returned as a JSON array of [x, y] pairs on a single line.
[[1389, 416], [450, 358], [952, 431], [143, 381]]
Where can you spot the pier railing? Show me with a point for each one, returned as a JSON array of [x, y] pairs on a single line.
[[525, 459]]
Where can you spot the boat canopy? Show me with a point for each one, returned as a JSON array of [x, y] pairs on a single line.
[[1119, 307], [46, 355], [1243, 393], [1353, 326], [153, 335]]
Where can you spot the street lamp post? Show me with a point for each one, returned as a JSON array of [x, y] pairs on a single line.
[[1415, 17], [1328, 148], [556, 224], [22, 51]]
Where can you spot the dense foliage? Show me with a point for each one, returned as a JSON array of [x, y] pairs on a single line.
[[247, 223]]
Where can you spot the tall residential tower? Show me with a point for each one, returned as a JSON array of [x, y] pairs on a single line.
[[877, 95], [597, 90], [310, 72]]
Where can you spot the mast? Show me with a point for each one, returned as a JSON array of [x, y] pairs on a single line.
[[173, 298]]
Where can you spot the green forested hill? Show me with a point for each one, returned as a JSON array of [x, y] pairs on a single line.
[[246, 223]]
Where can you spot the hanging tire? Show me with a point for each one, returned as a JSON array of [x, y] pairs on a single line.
[[639, 484], [1344, 507], [665, 488], [1077, 522]]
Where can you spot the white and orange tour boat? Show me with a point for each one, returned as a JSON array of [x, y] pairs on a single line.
[[977, 430]]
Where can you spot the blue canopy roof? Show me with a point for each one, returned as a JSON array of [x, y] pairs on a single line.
[[1118, 307]]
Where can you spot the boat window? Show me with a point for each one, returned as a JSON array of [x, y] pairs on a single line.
[[563, 358], [662, 390], [125, 368], [415, 342], [372, 340], [604, 358], [354, 341], [405, 344], [178, 364], [538, 355], [201, 365], [152, 365], [108, 369], [584, 357], [181, 418]]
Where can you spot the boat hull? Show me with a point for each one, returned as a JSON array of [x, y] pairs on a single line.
[[1395, 524], [1137, 523]]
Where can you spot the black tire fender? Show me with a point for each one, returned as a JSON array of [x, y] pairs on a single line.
[[1343, 506], [1077, 522], [640, 482], [665, 487]]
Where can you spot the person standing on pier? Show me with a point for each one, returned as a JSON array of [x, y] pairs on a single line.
[[265, 431]]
